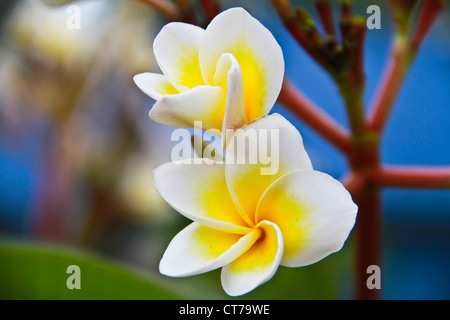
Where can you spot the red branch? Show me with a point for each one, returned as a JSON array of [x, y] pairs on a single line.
[[390, 87], [326, 16], [428, 14], [413, 177], [355, 182], [292, 98], [345, 10], [211, 8]]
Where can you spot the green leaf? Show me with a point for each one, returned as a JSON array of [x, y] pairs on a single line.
[[40, 272]]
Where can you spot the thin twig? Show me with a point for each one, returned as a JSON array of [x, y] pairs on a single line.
[[346, 9], [324, 10], [428, 14], [391, 84], [289, 17]]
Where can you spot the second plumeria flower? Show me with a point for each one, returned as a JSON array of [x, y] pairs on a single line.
[[225, 76], [249, 223]]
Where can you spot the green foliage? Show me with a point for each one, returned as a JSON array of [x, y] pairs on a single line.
[[39, 272]]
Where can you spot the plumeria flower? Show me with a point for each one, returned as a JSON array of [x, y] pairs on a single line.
[[225, 76], [249, 223]]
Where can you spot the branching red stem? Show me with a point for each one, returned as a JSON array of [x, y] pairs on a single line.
[[355, 182]]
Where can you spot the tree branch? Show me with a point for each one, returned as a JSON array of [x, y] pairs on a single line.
[[323, 8], [390, 86], [292, 98], [428, 14], [355, 182], [412, 177]]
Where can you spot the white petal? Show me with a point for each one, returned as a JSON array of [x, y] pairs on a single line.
[[176, 49], [260, 57], [257, 265], [314, 212], [250, 170], [202, 103], [229, 76], [198, 249], [200, 193], [154, 85]]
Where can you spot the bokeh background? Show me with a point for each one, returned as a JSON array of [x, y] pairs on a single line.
[[77, 150]]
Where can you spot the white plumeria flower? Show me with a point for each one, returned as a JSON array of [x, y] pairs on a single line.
[[225, 76], [248, 223]]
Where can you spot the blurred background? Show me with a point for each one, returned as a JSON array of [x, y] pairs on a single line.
[[77, 150]]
